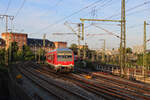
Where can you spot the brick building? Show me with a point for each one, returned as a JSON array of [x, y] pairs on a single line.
[[35, 44], [60, 45], [20, 38]]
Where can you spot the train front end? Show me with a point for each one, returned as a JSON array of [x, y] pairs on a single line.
[[65, 60]]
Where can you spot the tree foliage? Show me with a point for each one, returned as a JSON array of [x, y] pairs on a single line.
[[128, 50], [2, 56], [27, 53], [14, 49], [20, 54], [74, 48]]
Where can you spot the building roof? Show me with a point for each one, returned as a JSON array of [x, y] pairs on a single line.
[[60, 42], [39, 42]]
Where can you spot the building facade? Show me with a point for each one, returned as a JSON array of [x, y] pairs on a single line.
[[20, 38], [36, 44], [60, 45]]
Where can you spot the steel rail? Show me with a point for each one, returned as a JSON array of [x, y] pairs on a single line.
[[38, 83], [39, 77], [96, 87], [121, 83]]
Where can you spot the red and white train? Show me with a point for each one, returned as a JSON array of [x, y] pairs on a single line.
[[61, 59]]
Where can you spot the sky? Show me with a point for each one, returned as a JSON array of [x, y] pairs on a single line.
[[39, 17]]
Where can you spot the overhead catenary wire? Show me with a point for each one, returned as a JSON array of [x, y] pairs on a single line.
[[64, 18], [102, 6], [111, 33], [18, 11], [135, 12], [130, 9], [52, 7], [9, 2]]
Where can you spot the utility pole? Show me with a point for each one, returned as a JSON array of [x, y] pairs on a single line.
[[40, 54], [79, 34], [6, 18], [123, 39], [144, 51], [104, 50], [35, 53], [102, 20], [7, 60], [44, 37], [123, 35], [84, 50], [97, 56]]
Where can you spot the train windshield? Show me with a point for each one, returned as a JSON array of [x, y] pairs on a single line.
[[64, 56]]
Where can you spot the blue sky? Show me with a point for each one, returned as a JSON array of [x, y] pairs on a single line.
[[47, 16]]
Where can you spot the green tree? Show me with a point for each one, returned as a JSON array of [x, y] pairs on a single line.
[[2, 56], [41, 55], [27, 53], [128, 50], [74, 48], [140, 59], [12, 51], [20, 55]]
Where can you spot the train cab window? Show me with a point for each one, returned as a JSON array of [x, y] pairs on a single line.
[[64, 57]]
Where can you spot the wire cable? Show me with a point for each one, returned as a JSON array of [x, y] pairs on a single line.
[[18, 11], [60, 20], [9, 2], [130, 9]]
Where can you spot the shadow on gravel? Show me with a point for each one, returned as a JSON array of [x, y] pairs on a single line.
[[4, 92]]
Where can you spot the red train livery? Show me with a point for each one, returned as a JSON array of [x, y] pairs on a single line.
[[61, 59]]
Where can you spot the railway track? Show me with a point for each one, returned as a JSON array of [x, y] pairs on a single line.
[[130, 85], [105, 92], [104, 87], [47, 86], [136, 90]]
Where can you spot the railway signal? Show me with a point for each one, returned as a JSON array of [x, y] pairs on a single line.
[[44, 37]]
